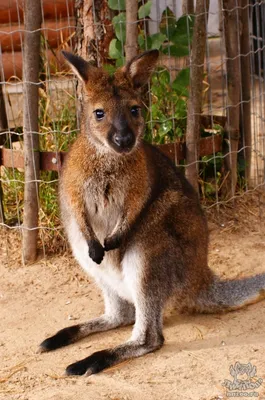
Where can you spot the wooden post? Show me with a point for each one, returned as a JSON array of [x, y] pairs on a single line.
[[3, 127], [31, 64], [245, 116], [231, 34], [195, 99], [188, 7], [131, 45]]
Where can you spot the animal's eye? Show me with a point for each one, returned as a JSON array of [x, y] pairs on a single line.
[[99, 114], [135, 110]]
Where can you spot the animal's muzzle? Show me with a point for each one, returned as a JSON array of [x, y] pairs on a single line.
[[122, 142]]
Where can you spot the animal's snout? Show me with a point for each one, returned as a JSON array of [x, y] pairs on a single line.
[[124, 140]]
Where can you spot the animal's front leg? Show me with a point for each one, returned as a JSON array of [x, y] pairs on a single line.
[[78, 209], [147, 336], [115, 239], [95, 250]]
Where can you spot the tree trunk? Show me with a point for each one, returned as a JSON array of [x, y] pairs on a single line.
[[94, 32], [188, 7], [131, 45], [195, 100], [231, 34], [31, 63], [245, 117]]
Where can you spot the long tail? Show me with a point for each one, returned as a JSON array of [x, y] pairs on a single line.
[[229, 295]]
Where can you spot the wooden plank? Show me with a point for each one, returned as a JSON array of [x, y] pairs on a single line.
[[55, 33], [173, 150], [52, 161], [208, 145], [12, 10], [12, 63], [11, 158]]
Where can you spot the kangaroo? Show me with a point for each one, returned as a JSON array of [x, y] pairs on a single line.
[[134, 222]]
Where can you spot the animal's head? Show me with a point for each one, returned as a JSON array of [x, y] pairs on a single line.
[[112, 104]]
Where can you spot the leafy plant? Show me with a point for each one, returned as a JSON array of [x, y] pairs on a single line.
[[167, 116], [173, 39]]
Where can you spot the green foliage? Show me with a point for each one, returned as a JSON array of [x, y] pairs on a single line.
[[174, 37], [145, 9], [115, 49], [179, 33], [118, 5], [210, 177], [168, 113], [119, 24], [13, 195], [154, 41]]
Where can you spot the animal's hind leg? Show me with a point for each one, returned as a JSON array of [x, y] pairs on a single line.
[[117, 312], [147, 336]]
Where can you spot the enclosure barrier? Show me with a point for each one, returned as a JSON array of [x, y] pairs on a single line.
[[205, 106]]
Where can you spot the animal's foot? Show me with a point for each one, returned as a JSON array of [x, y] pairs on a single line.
[[60, 339], [92, 364]]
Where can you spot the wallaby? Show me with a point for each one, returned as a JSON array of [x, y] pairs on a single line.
[[134, 222]]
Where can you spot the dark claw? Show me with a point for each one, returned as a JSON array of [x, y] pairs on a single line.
[[112, 242], [96, 251], [60, 339], [92, 364]]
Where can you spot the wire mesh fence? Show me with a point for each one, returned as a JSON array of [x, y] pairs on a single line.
[[204, 105]]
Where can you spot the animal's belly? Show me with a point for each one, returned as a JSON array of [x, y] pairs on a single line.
[[109, 272]]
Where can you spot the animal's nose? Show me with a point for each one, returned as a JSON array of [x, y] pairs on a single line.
[[123, 140]]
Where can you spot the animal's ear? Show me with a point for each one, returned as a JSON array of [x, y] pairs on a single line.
[[80, 67], [141, 67]]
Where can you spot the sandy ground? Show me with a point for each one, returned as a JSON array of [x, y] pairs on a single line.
[[37, 300]]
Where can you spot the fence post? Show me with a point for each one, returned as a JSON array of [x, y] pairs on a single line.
[[31, 64], [232, 45], [3, 127], [195, 99], [131, 45], [245, 117], [187, 7]]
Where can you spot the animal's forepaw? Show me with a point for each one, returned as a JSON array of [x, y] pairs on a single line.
[[96, 251], [92, 364], [112, 242]]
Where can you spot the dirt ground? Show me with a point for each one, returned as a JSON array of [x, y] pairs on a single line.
[[37, 300]]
